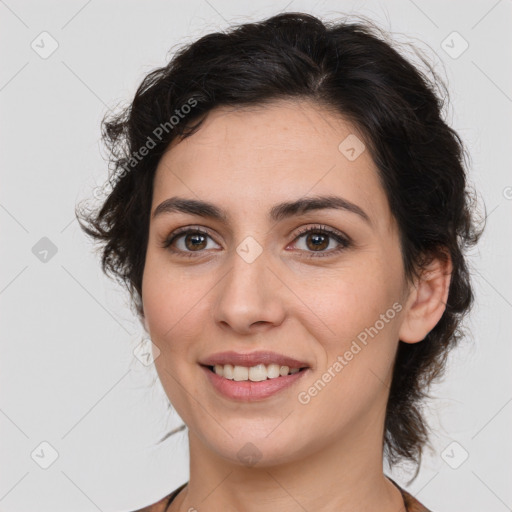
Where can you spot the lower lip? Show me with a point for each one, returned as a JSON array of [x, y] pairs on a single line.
[[249, 391]]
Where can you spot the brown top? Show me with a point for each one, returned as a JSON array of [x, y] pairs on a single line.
[[411, 503]]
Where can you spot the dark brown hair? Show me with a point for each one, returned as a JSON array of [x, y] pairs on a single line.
[[352, 69]]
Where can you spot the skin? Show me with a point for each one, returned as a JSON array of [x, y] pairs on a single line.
[[327, 454]]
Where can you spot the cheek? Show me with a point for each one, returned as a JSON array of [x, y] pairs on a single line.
[[173, 304], [160, 292], [351, 298], [359, 346]]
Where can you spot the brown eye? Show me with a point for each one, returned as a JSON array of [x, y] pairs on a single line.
[[195, 241], [187, 241], [318, 239]]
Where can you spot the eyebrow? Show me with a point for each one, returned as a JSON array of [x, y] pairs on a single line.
[[277, 212]]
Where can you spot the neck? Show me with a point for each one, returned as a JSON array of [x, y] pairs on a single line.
[[341, 474]]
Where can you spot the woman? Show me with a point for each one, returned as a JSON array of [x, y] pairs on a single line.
[[290, 212]]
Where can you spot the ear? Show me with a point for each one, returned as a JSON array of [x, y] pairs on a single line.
[[427, 301]]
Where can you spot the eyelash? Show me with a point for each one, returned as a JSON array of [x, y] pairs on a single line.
[[343, 240]]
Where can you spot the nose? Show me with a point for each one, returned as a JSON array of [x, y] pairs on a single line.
[[250, 298]]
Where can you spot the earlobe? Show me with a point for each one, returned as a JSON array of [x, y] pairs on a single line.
[[427, 301]]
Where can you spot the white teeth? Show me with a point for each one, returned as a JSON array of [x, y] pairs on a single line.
[[228, 371], [257, 373], [240, 373], [273, 371], [254, 373]]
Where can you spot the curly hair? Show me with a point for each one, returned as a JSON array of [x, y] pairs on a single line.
[[352, 68]]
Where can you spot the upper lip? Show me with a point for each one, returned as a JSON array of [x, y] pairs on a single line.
[[252, 359]]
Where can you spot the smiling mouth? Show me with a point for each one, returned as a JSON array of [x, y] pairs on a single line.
[[257, 373]]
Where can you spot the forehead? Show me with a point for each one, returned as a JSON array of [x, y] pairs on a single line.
[[257, 156]]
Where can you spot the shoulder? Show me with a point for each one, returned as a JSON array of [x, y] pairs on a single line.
[[410, 502], [159, 506], [162, 505]]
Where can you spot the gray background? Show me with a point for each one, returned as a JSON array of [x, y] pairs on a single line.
[[68, 374]]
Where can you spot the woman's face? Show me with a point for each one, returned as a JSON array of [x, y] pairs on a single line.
[[256, 282]]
